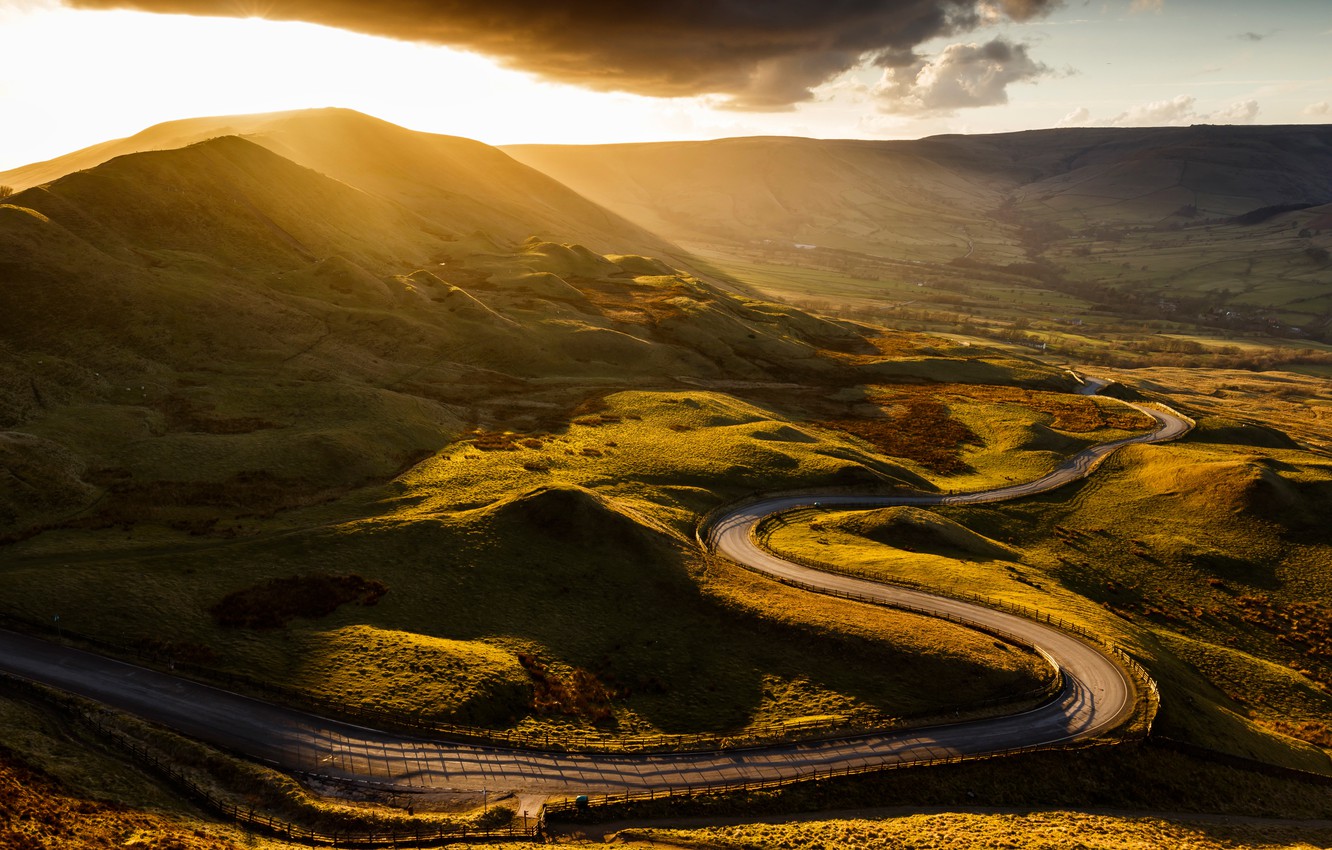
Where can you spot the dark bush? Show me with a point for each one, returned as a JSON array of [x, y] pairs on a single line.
[[278, 601]]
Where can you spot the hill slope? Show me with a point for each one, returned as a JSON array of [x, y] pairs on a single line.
[[248, 399], [888, 198], [870, 196], [1215, 226], [459, 183], [232, 202], [1139, 175], [240, 330]]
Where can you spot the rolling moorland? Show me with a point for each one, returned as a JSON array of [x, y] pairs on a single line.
[[358, 418], [1113, 247]]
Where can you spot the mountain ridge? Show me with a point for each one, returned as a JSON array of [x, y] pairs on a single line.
[[471, 185], [218, 316], [1096, 173]]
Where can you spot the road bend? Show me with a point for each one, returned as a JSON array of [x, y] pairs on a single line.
[[1097, 694]]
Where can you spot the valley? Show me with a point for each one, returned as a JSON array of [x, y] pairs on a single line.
[[1116, 248], [414, 433]]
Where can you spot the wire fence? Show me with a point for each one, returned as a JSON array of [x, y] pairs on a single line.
[[568, 805], [556, 740], [1149, 692], [422, 834], [559, 740], [414, 835], [576, 740]]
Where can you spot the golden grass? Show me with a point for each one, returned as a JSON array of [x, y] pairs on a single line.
[[917, 530], [59, 788], [1206, 558], [37, 812], [416, 675], [246, 784], [1267, 409], [1028, 831], [1077, 414], [648, 448], [975, 435]]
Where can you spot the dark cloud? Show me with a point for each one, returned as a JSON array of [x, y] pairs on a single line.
[[763, 54], [1252, 36], [961, 76]]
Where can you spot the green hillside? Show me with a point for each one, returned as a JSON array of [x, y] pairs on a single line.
[[882, 198], [232, 383], [889, 197], [462, 185], [367, 419], [229, 202], [1206, 555], [1200, 227]]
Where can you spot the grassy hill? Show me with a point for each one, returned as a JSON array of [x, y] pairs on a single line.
[[265, 333], [883, 198], [396, 423], [1205, 556], [460, 184], [1099, 176], [229, 202], [227, 376], [890, 197], [1213, 227]]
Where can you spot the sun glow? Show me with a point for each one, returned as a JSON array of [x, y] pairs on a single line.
[[75, 78], [70, 78]]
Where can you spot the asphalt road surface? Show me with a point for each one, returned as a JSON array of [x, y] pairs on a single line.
[[1098, 695]]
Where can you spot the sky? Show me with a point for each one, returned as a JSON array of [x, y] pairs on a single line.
[[518, 71]]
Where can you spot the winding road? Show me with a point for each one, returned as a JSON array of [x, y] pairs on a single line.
[[1098, 694]]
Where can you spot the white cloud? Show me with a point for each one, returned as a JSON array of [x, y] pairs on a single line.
[[1178, 111], [1146, 6], [1240, 112], [846, 87], [1320, 108], [1079, 117], [962, 76]]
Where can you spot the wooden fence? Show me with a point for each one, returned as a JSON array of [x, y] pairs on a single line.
[[1150, 694], [415, 835], [569, 805], [564, 740]]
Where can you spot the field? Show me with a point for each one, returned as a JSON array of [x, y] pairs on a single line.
[[1202, 556], [1069, 312], [437, 448], [625, 482], [59, 788], [84, 782], [1035, 830]]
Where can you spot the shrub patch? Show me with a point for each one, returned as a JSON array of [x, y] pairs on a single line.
[[278, 601]]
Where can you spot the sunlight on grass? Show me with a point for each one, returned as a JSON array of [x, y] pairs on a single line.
[[1203, 557], [1035, 831]]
